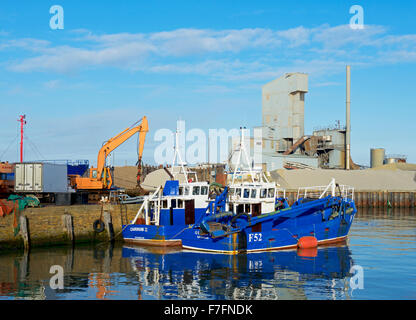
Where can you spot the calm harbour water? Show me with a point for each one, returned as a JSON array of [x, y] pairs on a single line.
[[381, 242]]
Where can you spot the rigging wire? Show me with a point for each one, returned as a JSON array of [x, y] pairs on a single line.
[[33, 150], [34, 147], [8, 147]]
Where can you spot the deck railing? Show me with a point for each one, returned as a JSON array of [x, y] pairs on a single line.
[[318, 192]]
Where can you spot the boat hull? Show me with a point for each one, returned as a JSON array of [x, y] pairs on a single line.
[[328, 232], [279, 238], [321, 219], [151, 235]]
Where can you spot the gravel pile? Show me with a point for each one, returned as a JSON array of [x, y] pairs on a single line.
[[125, 177], [392, 177], [397, 166], [369, 180]]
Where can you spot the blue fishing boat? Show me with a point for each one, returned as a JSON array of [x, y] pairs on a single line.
[[234, 224], [170, 209], [250, 215], [165, 214], [307, 223]]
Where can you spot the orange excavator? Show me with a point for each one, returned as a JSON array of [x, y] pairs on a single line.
[[100, 177]]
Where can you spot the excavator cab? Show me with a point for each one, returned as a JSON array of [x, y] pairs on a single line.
[[93, 174]]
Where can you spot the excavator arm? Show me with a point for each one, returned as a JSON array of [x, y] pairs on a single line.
[[100, 177], [119, 139]]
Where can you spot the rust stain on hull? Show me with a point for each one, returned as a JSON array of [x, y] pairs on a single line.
[[155, 242]]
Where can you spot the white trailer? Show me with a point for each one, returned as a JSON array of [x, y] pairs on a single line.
[[38, 177]]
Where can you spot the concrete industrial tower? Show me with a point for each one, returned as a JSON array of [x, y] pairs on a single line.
[[283, 102], [279, 141]]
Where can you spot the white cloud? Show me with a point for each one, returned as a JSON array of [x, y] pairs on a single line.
[[26, 44], [52, 84], [261, 52], [67, 59], [128, 50], [343, 35], [296, 36], [397, 56]]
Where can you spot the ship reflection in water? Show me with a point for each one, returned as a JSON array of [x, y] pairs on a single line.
[[267, 275], [381, 242], [129, 272]]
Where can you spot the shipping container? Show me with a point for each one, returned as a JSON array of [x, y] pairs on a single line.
[[41, 177]]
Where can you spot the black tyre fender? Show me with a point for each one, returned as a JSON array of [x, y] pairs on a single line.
[[98, 226]]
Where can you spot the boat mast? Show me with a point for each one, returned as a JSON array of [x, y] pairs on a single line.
[[242, 149], [178, 154]]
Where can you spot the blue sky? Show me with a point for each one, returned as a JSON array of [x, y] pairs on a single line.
[[203, 62]]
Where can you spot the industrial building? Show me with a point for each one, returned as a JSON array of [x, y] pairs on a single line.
[[329, 144], [283, 104], [281, 142], [378, 158]]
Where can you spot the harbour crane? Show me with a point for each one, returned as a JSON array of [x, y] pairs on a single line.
[[100, 178]]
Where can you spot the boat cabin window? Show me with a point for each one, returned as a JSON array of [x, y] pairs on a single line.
[[271, 193], [246, 193], [195, 191], [186, 191], [164, 204], [263, 193], [204, 190], [238, 192], [231, 192], [247, 208], [173, 203], [180, 203], [253, 193], [180, 191]]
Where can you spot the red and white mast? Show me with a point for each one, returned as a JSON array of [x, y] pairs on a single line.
[[22, 123]]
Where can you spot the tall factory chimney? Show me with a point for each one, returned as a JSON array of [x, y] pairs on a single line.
[[347, 122]]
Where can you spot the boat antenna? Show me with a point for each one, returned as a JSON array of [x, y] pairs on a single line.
[[178, 154], [242, 149]]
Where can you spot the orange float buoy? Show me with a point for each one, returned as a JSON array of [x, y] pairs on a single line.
[[307, 253], [307, 242]]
